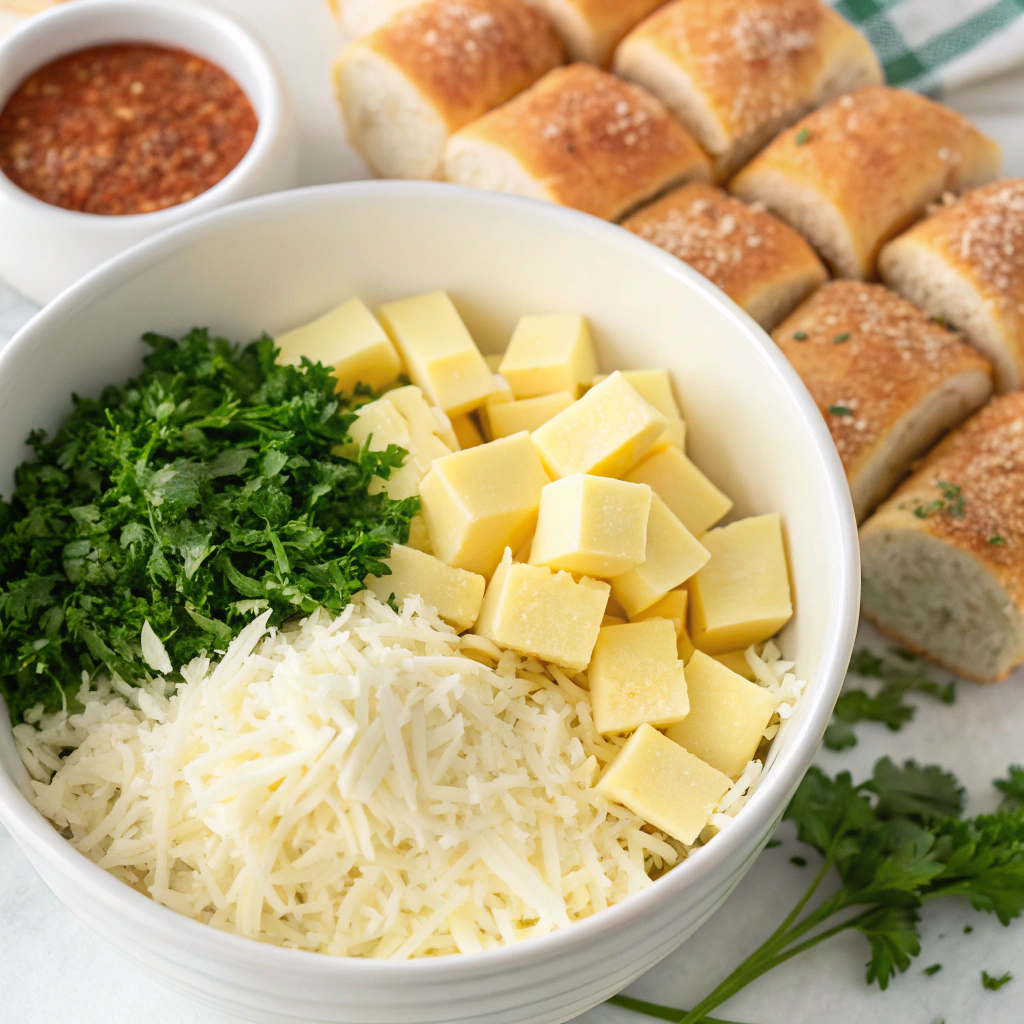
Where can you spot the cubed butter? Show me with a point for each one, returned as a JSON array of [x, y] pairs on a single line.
[[636, 677], [695, 500], [418, 536], [427, 423], [549, 353], [479, 501], [685, 646], [737, 662], [455, 593], [742, 595], [613, 620], [664, 784], [592, 525], [467, 433], [439, 351], [350, 339], [671, 556], [527, 413], [606, 432], [656, 387], [549, 615], [500, 395], [672, 607], [727, 715]]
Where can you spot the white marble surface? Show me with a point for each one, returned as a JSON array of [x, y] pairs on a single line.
[[53, 969]]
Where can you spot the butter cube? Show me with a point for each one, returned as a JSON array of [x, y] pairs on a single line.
[[737, 662], [664, 784], [672, 555], [606, 432], [501, 395], [427, 424], [592, 525], [418, 536], [672, 607], [479, 501], [656, 387], [455, 593], [467, 433], [613, 620], [548, 615], [685, 646], [527, 413], [695, 500], [727, 716], [549, 353], [438, 351], [742, 595], [349, 339], [636, 677]]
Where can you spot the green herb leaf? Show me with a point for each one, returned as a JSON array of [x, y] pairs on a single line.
[[840, 410], [840, 338], [932, 970], [1012, 788], [799, 335], [995, 540], [802, 137], [995, 984]]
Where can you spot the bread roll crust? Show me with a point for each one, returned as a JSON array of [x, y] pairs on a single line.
[[981, 463], [593, 28], [760, 263], [855, 173], [582, 138], [966, 264], [737, 71], [873, 363]]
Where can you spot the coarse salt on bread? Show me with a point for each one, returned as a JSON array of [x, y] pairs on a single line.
[[434, 68], [855, 173], [582, 138], [966, 265], [760, 263], [738, 71], [888, 380], [592, 29], [943, 558]]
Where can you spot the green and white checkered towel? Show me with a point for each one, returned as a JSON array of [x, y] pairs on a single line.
[[938, 45]]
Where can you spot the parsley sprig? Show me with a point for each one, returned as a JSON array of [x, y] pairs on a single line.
[[897, 842], [209, 488]]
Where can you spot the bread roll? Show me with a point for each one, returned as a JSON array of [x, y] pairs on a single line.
[[760, 263], [966, 265], [361, 17], [736, 72], [855, 173], [582, 138], [889, 381], [434, 68], [592, 29], [943, 559]]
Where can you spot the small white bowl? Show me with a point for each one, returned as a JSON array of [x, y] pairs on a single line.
[[275, 262], [44, 248]]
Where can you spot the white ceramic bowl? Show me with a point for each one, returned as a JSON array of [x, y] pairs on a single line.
[[44, 248], [274, 262]]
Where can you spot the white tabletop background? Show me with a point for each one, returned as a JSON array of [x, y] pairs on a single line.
[[53, 969]]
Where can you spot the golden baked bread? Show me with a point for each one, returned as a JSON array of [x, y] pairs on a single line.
[[592, 29], [965, 265], [580, 137], [434, 68], [943, 558], [888, 380], [858, 171], [762, 264], [736, 72], [361, 17]]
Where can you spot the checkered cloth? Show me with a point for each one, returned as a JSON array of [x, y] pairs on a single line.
[[938, 45]]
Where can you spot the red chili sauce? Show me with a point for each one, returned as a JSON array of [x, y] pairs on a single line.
[[121, 129]]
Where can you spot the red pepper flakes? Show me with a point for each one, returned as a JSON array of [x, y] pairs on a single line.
[[122, 129]]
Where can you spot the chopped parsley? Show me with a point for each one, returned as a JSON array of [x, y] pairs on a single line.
[[206, 490], [800, 862], [1012, 788], [995, 540], [952, 503], [995, 984], [802, 137], [933, 970], [840, 338], [840, 410], [799, 335], [772, 843], [968, 929], [940, 320]]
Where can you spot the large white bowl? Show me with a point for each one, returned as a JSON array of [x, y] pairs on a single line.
[[271, 263]]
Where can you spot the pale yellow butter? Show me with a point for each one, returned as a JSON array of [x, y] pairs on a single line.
[[527, 413], [479, 501], [727, 718], [737, 662], [656, 387], [438, 351], [467, 433], [455, 593], [636, 676], [742, 595], [349, 339], [549, 353], [672, 607], [695, 500], [672, 555], [548, 615], [500, 395], [664, 784], [606, 432], [592, 525]]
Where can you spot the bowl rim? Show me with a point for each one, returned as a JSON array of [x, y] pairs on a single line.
[[34, 833], [202, 20]]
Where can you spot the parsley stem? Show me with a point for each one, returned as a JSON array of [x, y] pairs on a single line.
[[826, 866], [661, 1012]]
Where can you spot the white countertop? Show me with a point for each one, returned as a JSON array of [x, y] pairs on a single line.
[[53, 969]]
